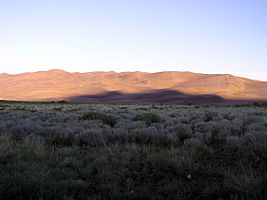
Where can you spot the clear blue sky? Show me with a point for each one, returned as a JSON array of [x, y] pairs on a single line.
[[208, 36]]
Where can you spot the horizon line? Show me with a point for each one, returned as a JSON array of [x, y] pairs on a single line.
[[118, 72]]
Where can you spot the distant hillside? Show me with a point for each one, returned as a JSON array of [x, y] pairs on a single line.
[[131, 87]]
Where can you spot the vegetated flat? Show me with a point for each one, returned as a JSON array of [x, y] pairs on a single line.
[[132, 87], [87, 151]]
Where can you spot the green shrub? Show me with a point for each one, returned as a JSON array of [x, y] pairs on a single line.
[[148, 118], [62, 101], [183, 131], [164, 160], [19, 108], [106, 119], [58, 109], [210, 115], [202, 152]]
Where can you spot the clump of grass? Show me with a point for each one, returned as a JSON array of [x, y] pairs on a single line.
[[148, 118], [106, 119]]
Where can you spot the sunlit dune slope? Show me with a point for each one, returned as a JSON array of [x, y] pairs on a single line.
[[58, 84]]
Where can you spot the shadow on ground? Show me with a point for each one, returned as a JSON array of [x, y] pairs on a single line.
[[155, 96]]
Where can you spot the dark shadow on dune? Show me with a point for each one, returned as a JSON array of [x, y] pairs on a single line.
[[150, 97]]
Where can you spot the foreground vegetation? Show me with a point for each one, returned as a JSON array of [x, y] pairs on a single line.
[[64, 151]]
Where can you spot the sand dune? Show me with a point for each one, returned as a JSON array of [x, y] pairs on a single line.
[[169, 87]]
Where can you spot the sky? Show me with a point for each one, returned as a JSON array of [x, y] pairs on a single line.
[[205, 36]]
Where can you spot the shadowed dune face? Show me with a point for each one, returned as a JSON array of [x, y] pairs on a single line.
[[130, 87]]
